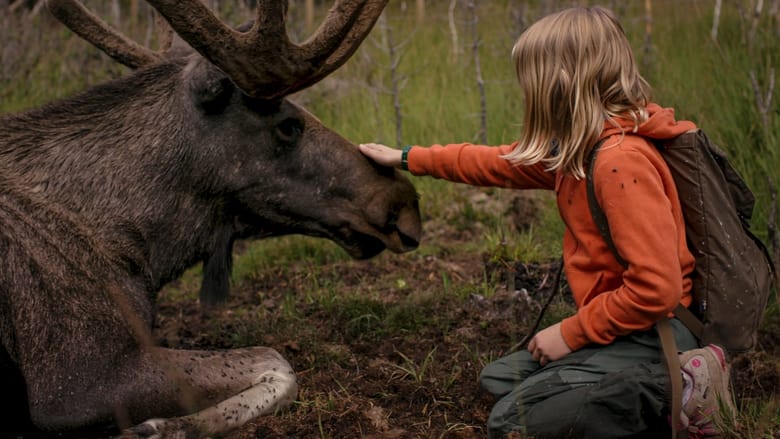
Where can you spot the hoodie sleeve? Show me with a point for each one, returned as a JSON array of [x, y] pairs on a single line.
[[477, 165]]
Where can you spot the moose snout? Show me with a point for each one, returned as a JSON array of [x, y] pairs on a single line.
[[407, 230], [397, 220]]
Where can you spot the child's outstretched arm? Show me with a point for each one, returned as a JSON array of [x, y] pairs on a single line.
[[382, 154]]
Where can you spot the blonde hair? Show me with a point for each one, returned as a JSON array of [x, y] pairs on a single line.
[[576, 70]]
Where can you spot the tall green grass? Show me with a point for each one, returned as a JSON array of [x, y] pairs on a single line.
[[706, 81], [710, 82]]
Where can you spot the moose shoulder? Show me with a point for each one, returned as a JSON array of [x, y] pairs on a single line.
[[108, 195]]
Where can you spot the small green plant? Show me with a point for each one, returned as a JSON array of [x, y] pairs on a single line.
[[410, 369], [757, 419]]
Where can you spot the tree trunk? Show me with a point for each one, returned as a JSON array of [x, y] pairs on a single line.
[[309, 8], [420, 11]]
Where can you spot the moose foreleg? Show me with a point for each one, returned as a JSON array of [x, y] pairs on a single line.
[[215, 288], [264, 388], [271, 390], [188, 394]]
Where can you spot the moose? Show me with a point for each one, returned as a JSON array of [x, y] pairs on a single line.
[[108, 195]]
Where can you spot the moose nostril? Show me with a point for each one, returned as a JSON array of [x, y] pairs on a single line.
[[408, 242], [391, 223]]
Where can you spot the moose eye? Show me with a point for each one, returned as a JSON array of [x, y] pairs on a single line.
[[289, 129]]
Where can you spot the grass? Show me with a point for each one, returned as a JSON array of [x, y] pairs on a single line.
[[706, 81], [410, 369]]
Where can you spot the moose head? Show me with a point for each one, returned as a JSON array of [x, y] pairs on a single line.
[[200, 147], [108, 195]]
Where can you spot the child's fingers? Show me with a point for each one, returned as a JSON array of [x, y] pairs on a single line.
[[382, 154], [373, 150], [372, 147]]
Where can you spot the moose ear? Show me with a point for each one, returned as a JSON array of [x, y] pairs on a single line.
[[210, 89]]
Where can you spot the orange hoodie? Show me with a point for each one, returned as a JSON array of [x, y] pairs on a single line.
[[635, 189]]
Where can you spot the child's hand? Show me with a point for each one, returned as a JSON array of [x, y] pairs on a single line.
[[548, 345], [384, 155]]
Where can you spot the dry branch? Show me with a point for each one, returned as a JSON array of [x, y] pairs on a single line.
[[309, 14], [716, 20], [772, 221], [482, 135], [764, 100], [453, 29], [647, 47], [394, 77], [774, 12], [755, 21]]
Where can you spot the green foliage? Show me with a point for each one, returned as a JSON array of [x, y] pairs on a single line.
[[707, 81], [370, 319], [710, 82], [284, 250], [412, 370]]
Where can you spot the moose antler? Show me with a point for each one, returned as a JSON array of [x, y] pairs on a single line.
[[91, 28], [262, 61]]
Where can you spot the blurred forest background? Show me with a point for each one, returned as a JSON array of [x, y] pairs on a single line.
[[437, 71]]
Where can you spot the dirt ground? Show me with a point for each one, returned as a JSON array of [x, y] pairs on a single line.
[[389, 367]]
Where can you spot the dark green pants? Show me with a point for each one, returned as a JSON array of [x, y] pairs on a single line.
[[600, 392]]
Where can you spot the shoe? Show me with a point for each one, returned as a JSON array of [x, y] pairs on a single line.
[[707, 401]]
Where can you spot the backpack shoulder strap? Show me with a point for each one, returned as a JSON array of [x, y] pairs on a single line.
[[689, 319], [599, 217], [669, 349]]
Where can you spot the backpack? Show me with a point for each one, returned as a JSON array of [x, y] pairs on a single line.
[[733, 275]]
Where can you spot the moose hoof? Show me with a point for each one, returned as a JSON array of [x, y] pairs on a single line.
[[159, 429], [149, 429]]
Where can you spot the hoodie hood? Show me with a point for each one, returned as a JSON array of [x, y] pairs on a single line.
[[661, 124]]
